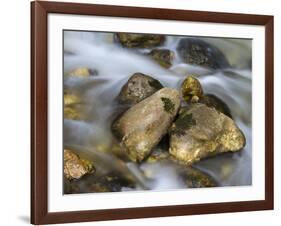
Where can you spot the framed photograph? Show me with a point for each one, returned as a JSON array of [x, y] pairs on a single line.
[[147, 112]]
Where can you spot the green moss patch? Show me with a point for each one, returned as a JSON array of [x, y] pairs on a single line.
[[169, 106], [183, 123]]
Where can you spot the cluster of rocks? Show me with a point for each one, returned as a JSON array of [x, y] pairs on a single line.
[[160, 123], [192, 51], [83, 176], [197, 125]]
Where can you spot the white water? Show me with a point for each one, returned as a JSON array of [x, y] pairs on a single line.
[[115, 64]]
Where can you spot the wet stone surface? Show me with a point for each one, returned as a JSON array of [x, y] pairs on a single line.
[[142, 127], [138, 87], [198, 52], [191, 89], [201, 132], [164, 57], [75, 167]]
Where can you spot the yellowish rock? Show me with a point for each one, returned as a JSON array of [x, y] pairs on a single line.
[[70, 98], [131, 40], [191, 89], [74, 167], [73, 106], [81, 72], [74, 112], [201, 132]]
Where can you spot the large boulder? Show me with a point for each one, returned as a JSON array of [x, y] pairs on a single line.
[[143, 125], [200, 132], [198, 52], [138, 87], [140, 40], [164, 57]]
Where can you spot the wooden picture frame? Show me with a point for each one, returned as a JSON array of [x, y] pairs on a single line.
[[39, 112]]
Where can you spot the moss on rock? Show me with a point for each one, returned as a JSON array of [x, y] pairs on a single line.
[[169, 106]]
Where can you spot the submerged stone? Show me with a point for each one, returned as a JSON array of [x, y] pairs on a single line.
[[141, 128], [73, 106], [201, 132], [164, 57], [191, 89], [71, 98], [138, 87], [73, 112], [74, 166], [198, 52], [81, 72], [110, 182], [140, 40], [194, 178]]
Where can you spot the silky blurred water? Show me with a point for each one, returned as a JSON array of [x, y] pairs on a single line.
[[114, 64]]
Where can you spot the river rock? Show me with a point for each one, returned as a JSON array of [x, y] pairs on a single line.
[[195, 178], [213, 101], [81, 72], [200, 132], [73, 112], [164, 57], [74, 166], [191, 89], [198, 52], [140, 40], [138, 87], [143, 125], [111, 182], [71, 98], [73, 106]]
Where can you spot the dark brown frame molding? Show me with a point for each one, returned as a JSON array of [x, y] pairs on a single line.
[[39, 115]]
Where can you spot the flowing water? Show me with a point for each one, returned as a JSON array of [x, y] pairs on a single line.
[[115, 64]]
